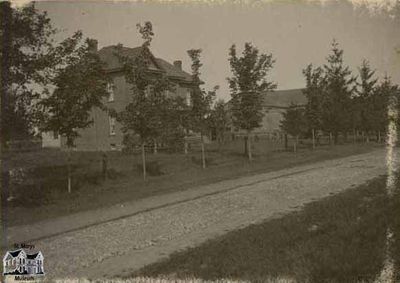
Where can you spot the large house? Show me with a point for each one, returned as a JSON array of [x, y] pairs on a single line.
[[274, 105], [19, 262], [105, 133]]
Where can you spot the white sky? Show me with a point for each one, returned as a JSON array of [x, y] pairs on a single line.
[[295, 32]]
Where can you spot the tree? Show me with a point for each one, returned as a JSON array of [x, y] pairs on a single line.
[[294, 123], [80, 85], [365, 99], [314, 91], [143, 115], [175, 122], [201, 101], [247, 84], [25, 39], [336, 103], [219, 120]]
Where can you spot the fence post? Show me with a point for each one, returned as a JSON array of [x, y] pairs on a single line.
[[104, 166]]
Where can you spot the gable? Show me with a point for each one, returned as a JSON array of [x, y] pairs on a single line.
[[112, 63], [15, 253], [108, 56], [7, 256]]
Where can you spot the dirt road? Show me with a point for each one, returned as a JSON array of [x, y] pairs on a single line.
[[116, 248]]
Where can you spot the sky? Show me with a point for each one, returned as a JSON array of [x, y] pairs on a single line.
[[295, 32]]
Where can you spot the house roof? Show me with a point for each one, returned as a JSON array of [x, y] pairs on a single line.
[[32, 256], [107, 55], [15, 253], [29, 256], [284, 98], [173, 71]]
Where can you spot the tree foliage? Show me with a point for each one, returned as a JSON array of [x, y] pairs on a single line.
[[201, 100], [314, 91], [80, 84], [219, 119], [294, 121], [364, 103], [248, 81], [25, 39], [340, 85], [143, 116], [338, 102]]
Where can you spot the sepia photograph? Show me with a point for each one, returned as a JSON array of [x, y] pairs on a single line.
[[200, 141]]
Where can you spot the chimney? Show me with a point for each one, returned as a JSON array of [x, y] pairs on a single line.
[[178, 64], [93, 44]]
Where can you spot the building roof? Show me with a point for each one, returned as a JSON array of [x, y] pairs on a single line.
[[173, 71], [15, 253], [284, 98], [32, 256], [107, 55]]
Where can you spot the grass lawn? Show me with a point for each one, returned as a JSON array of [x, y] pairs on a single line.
[[180, 172], [341, 238]]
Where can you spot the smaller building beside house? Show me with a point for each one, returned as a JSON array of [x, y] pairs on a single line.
[[276, 103]]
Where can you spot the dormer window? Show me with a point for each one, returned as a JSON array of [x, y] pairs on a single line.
[[110, 90]]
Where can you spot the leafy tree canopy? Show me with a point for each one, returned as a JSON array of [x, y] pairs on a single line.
[[80, 83], [248, 81]]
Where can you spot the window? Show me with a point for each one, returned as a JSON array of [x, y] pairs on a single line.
[[112, 125], [110, 90], [113, 146], [55, 135]]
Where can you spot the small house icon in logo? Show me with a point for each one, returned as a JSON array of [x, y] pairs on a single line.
[[19, 262]]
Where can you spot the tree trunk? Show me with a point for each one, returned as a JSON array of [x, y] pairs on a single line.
[[354, 136], [203, 155], [155, 151], [144, 161], [246, 147], [379, 137], [330, 138], [185, 147], [286, 142], [69, 169], [295, 145], [104, 166], [249, 147], [313, 138]]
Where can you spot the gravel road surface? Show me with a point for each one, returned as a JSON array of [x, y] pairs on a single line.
[[119, 247]]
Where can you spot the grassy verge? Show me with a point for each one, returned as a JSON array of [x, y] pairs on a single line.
[[180, 172], [339, 239]]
